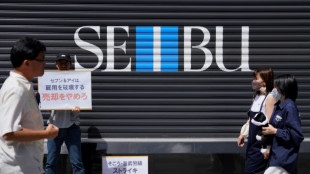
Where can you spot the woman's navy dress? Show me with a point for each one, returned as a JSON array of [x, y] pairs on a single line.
[[254, 162]]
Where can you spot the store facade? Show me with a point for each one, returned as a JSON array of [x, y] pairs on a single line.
[[169, 78]]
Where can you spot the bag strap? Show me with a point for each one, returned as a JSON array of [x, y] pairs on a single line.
[[261, 106]]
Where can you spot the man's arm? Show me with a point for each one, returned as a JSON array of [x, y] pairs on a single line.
[[26, 135]]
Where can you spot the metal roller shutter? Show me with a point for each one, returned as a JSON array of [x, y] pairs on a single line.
[[159, 104]]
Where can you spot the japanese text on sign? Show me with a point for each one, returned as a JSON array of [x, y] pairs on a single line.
[[65, 90], [125, 165]]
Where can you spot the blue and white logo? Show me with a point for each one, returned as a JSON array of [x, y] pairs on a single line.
[[157, 49], [161, 48]]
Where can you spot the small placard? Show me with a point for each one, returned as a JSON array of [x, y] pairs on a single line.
[[63, 90], [125, 165]]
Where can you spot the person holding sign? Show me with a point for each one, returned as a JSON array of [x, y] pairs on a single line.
[[69, 130], [21, 124]]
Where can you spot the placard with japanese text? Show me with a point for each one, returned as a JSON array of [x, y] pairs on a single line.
[[63, 90], [125, 164]]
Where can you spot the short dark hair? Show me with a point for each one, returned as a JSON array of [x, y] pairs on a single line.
[[267, 75], [26, 48], [287, 85]]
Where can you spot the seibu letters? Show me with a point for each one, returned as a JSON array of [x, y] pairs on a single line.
[[157, 48]]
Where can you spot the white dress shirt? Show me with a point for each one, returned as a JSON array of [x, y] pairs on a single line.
[[19, 109]]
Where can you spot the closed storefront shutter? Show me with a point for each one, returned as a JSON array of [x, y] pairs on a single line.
[[165, 68]]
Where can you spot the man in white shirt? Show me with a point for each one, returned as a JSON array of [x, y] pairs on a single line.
[[21, 124]]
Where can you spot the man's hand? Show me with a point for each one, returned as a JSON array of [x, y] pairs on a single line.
[[52, 131], [240, 141], [269, 130], [76, 109]]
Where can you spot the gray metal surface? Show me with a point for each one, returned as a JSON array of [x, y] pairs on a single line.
[[206, 104]]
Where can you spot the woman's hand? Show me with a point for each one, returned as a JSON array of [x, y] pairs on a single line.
[[269, 130], [240, 141], [266, 154]]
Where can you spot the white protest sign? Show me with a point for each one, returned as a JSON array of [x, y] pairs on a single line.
[[61, 90], [125, 165]]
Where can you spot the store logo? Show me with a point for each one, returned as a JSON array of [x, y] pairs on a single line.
[[158, 48]]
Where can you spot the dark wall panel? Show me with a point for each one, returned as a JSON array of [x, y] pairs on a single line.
[[207, 103]]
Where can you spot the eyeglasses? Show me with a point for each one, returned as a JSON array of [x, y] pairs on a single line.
[[39, 60]]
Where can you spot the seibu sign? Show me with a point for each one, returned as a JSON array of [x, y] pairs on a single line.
[[157, 48]]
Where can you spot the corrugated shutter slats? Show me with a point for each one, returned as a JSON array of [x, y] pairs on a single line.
[[210, 103]]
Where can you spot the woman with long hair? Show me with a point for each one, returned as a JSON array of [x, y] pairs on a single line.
[[256, 162]]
